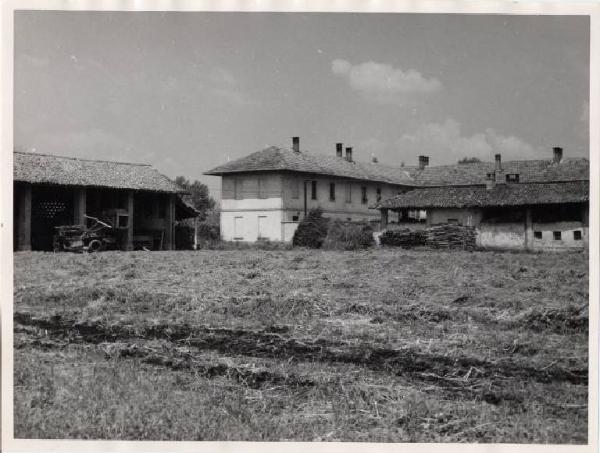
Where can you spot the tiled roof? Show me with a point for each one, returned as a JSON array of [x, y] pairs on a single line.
[[573, 169], [68, 171], [513, 194], [282, 159]]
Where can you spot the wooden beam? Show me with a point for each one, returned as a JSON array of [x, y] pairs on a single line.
[[24, 217], [384, 218], [79, 206], [528, 229], [169, 223], [129, 233]]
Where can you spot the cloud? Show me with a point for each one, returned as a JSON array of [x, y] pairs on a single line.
[[383, 83], [445, 141]]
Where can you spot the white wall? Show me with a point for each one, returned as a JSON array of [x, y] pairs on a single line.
[[248, 222]]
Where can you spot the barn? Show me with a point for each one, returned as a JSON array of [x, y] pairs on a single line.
[[50, 191], [528, 205]]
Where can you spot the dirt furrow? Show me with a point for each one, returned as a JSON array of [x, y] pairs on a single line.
[[452, 371]]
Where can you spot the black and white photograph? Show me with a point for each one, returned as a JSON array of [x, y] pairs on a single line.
[[300, 226]]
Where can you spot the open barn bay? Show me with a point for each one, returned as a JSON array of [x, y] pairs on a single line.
[[382, 345]]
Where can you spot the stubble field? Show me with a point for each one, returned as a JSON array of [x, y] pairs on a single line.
[[380, 346]]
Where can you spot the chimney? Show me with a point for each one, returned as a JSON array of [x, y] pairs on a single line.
[[296, 144], [374, 158], [558, 153], [498, 173], [349, 154], [339, 149], [423, 162], [490, 181]]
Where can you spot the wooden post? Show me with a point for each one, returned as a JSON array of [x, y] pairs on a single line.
[[528, 229], [384, 218], [79, 206], [169, 221], [24, 217], [129, 234]]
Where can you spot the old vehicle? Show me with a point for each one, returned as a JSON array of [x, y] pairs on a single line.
[[81, 238]]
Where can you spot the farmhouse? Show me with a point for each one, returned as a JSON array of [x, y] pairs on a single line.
[[538, 204], [518, 204], [140, 203], [266, 194]]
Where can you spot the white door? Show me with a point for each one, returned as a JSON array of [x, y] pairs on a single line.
[[237, 228], [262, 227]]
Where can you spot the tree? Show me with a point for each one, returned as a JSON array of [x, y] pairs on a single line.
[[198, 196], [469, 160]]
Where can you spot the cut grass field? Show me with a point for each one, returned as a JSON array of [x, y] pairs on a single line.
[[381, 345]]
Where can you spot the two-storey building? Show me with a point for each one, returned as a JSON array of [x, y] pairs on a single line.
[[266, 194]]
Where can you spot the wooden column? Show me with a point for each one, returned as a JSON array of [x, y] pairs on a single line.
[[169, 221], [24, 217], [384, 218], [528, 229], [79, 206], [129, 233]]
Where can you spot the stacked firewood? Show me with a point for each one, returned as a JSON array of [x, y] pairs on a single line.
[[403, 237], [450, 236]]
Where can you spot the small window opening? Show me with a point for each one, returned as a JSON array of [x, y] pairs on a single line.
[[295, 218], [363, 197], [313, 190], [378, 194], [537, 234], [332, 191], [557, 235], [512, 177], [577, 235], [453, 221]]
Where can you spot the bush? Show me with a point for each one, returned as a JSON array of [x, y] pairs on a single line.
[[312, 230], [348, 235]]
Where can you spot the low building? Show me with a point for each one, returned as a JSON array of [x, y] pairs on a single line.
[[267, 193], [51, 191], [534, 205]]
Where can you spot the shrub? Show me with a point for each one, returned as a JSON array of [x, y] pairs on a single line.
[[312, 230], [348, 235]]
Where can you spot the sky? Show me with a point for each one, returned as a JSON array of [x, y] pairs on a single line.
[[186, 92]]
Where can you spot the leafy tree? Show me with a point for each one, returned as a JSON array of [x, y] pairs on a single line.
[[198, 196], [469, 160]]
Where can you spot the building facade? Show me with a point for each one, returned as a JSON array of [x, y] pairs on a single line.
[[51, 191], [266, 194]]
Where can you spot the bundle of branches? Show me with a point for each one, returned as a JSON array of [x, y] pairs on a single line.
[[451, 236], [403, 237]]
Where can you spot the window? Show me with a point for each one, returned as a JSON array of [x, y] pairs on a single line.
[[313, 190], [537, 234], [577, 235], [238, 187], [453, 221], [349, 193], [331, 191], [262, 187], [262, 226], [349, 219], [378, 194], [295, 218], [295, 188], [557, 235], [512, 177], [363, 195]]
